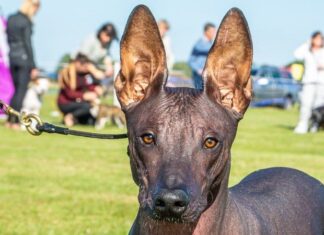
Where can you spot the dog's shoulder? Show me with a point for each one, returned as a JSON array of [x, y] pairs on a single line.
[[277, 189], [274, 195], [278, 179]]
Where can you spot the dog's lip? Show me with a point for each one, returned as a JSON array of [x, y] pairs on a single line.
[[185, 218]]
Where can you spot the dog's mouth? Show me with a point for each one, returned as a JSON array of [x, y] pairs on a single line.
[[191, 215], [169, 219], [172, 219]]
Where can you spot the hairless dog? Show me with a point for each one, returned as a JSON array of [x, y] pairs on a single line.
[[180, 141]]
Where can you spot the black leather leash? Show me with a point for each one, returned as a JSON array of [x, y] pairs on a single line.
[[52, 129], [35, 126]]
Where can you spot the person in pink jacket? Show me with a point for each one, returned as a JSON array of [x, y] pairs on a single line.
[[6, 84]]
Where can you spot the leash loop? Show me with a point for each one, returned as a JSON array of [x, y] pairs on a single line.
[[35, 126], [30, 119]]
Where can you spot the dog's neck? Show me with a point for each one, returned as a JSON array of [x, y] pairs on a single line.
[[212, 221]]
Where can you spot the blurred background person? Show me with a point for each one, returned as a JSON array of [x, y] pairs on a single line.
[[97, 48], [312, 94], [21, 57], [199, 53], [78, 92], [164, 28], [6, 85]]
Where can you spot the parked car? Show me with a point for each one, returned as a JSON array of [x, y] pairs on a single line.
[[274, 87]]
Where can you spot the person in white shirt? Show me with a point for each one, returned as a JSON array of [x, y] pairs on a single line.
[[312, 94], [164, 27], [96, 47]]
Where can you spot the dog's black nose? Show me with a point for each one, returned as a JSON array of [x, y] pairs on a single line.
[[171, 203]]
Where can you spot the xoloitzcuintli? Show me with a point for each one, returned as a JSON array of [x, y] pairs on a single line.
[[180, 141]]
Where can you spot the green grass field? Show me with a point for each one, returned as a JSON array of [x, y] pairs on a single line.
[[60, 185]]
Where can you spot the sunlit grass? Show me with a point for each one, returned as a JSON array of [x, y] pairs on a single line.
[[70, 185]]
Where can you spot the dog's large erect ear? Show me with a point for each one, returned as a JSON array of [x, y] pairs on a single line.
[[143, 61], [227, 70]]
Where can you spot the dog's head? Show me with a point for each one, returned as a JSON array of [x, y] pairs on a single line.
[[180, 138], [40, 85]]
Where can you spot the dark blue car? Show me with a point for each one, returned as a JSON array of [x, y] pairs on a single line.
[[274, 87]]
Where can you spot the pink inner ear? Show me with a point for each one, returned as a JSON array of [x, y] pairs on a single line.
[[142, 57], [229, 62], [226, 79], [141, 79]]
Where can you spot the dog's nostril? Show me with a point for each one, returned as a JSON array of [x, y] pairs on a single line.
[[171, 203], [180, 204], [160, 203]]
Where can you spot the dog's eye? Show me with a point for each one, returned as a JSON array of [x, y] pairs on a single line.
[[210, 143], [148, 138]]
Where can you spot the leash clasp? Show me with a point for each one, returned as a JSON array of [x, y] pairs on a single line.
[[35, 126], [30, 121]]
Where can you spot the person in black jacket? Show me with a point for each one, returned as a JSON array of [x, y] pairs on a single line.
[[21, 57]]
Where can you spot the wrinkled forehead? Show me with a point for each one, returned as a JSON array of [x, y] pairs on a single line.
[[181, 110]]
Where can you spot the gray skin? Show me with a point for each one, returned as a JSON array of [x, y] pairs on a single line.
[[183, 183], [270, 201]]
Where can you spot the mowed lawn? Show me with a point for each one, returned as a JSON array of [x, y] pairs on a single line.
[[64, 185]]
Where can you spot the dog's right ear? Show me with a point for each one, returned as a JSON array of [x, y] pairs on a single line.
[[143, 61]]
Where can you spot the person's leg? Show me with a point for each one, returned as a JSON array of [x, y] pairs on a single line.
[[307, 101], [198, 82], [68, 119], [76, 110], [87, 119], [81, 109], [15, 79], [83, 115], [21, 78]]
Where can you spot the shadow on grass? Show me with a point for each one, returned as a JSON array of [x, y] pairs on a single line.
[[286, 127]]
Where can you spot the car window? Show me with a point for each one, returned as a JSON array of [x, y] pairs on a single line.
[[286, 74], [264, 73], [254, 72], [271, 72], [276, 74]]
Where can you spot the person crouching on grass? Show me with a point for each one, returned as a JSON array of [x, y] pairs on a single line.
[[78, 92]]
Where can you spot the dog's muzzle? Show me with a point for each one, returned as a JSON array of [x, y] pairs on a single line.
[[170, 204]]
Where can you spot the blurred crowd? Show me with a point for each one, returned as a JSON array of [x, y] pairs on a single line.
[[90, 72]]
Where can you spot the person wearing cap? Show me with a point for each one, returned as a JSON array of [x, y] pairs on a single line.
[[21, 57], [96, 47]]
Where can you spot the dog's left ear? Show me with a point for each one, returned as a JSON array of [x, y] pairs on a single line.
[[143, 61], [227, 71]]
